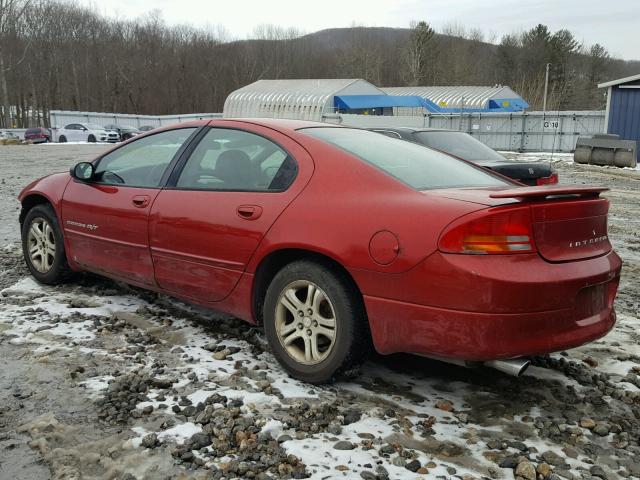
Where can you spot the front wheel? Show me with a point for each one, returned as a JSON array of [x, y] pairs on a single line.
[[315, 321], [91, 139], [43, 246]]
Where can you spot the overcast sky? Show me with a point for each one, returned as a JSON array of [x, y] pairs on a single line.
[[616, 24]]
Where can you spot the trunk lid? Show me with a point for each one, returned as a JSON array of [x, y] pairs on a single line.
[[569, 221], [525, 172], [571, 230], [479, 195]]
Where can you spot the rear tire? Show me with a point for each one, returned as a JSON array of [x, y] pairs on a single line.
[[43, 246], [62, 139], [315, 321]]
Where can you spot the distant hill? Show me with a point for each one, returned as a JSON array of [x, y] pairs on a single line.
[[332, 38]]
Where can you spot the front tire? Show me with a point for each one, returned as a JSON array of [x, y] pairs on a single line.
[[43, 246], [315, 322], [91, 139]]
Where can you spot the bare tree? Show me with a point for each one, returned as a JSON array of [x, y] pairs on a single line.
[[65, 56], [11, 12]]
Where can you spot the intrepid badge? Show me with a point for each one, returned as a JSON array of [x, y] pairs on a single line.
[[88, 226], [589, 241]]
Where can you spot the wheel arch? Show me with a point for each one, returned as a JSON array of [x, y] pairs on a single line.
[[274, 261], [31, 201]]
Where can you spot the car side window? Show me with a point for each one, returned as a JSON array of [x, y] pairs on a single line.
[[142, 162], [227, 159]]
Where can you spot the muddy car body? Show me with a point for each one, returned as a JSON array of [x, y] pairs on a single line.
[[37, 135], [334, 238]]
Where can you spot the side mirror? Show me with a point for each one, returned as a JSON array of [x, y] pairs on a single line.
[[83, 171]]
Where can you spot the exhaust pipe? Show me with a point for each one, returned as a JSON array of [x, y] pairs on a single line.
[[515, 366]]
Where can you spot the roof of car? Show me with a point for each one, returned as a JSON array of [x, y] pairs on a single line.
[[414, 129], [279, 123]]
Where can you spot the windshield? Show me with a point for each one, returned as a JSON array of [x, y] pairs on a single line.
[[94, 126], [419, 167], [459, 144]]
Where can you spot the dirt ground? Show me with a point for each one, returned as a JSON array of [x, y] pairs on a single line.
[[102, 381]]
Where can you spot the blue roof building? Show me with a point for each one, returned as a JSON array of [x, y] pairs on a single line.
[[623, 107]]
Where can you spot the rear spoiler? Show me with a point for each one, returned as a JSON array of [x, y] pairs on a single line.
[[550, 191]]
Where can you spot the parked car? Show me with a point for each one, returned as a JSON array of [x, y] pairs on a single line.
[[147, 128], [464, 146], [124, 132], [8, 137], [333, 239], [113, 138], [86, 132], [37, 135]]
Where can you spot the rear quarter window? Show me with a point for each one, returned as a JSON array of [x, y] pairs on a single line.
[[414, 165]]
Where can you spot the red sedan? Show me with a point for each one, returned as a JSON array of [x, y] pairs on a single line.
[[334, 239]]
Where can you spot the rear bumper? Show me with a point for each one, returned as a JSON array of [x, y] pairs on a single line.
[[496, 312], [404, 327]]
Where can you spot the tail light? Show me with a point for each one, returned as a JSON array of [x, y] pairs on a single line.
[[490, 232], [550, 180]]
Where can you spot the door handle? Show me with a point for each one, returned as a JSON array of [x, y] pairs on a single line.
[[140, 201], [249, 212]]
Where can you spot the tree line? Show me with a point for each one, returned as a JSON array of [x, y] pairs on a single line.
[[58, 55]]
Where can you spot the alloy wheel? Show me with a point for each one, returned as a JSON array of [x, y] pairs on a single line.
[[305, 322], [41, 244]]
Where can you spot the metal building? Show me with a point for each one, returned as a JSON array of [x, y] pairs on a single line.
[[622, 116], [305, 99], [468, 98]]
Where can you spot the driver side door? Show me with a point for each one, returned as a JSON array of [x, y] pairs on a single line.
[[105, 219]]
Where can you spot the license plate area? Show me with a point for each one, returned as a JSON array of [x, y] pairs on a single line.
[[591, 301]]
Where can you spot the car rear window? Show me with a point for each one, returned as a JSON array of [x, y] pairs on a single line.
[[418, 167], [32, 130], [459, 144]]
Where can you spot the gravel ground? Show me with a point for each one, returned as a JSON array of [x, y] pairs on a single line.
[[105, 381]]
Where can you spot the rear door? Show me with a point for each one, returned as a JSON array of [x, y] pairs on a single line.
[[75, 132], [106, 220], [224, 197]]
